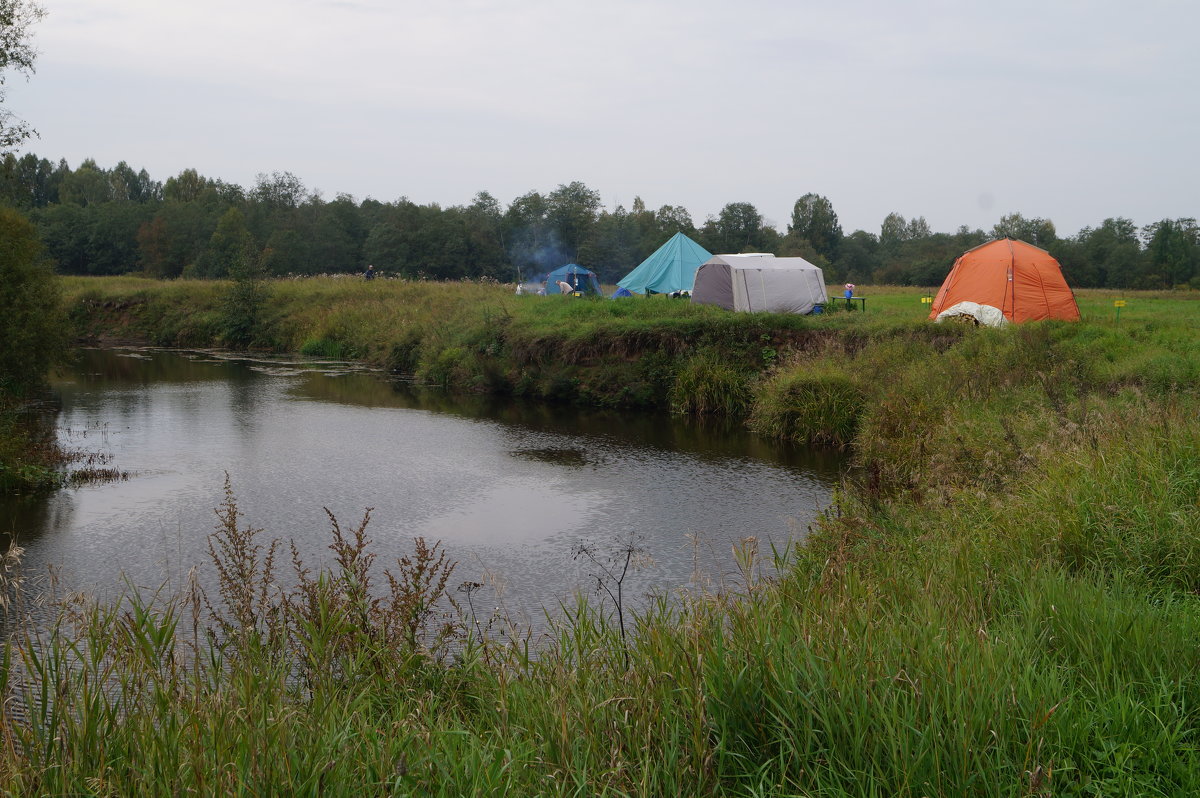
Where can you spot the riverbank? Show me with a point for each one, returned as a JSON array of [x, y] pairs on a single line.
[[1004, 603]]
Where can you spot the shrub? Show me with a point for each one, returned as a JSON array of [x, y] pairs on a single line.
[[242, 308], [32, 324], [446, 368]]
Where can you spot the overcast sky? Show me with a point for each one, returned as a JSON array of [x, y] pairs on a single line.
[[957, 111]]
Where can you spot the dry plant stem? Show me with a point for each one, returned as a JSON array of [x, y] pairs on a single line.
[[610, 576]]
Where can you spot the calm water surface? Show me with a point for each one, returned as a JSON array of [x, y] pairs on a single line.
[[509, 488]]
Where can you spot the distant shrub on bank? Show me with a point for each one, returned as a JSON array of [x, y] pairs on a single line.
[[31, 319]]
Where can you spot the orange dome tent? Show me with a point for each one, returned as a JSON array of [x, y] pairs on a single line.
[[1025, 283]]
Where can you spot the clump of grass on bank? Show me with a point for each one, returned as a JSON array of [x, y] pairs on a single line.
[[814, 403], [705, 385]]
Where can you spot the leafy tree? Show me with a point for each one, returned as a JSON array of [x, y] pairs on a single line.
[[1172, 253], [1108, 256], [338, 238], [814, 220], [385, 247], [112, 243], [98, 221], [425, 241], [17, 54], [278, 190], [448, 247], [533, 244], [926, 260], [130, 186], [672, 219], [187, 186], [896, 231], [918, 228], [483, 220], [243, 302], [87, 185], [64, 230], [174, 239], [231, 247], [893, 232], [738, 228], [28, 182], [858, 258], [795, 246], [286, 252], [487, 207], [572, 210], [153, 247], [1037, 231], [32, 326], [615, 246]]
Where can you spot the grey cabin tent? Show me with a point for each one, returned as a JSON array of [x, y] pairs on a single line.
[[760, 283]]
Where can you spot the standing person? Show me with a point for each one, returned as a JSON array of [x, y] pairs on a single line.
[[369, 274]]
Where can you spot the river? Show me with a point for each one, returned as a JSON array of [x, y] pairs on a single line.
[[509, 488]]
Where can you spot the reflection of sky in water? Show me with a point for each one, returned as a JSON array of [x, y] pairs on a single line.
[[509, 490]]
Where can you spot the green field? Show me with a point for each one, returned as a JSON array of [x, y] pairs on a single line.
[[1002, 600]]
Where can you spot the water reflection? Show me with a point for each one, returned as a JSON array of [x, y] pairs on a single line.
[[508, 487], [570, 458], [713, 438]]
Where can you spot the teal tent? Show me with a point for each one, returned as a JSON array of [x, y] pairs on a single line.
[[671, 268], [579, 278]]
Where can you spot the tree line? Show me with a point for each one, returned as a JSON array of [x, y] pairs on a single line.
[[94, 220]]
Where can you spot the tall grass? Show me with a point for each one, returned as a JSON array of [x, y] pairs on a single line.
[[705, 384], [987, 644], [817, 403]]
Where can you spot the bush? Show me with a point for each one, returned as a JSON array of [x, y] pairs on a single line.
[[32, 324], [448, 367], [242, 306]]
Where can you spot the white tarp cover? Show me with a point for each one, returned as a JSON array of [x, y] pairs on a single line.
[[760, 283], [986, 315]]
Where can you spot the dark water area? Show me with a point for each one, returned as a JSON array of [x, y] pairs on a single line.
[[509, 488]]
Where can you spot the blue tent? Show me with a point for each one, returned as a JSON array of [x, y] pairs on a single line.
[[672, 267], [581, 279]]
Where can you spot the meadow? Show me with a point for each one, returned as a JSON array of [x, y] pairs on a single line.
[[1002, 600]]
